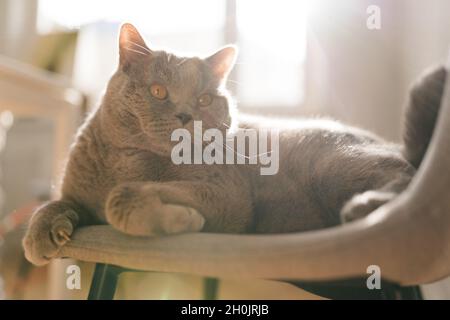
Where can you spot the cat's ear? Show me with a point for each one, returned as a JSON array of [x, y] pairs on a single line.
[[222, 62], [132, 46]]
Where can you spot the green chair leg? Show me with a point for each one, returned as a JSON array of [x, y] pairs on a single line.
[[356, 289], [104, 282], [210, 288]]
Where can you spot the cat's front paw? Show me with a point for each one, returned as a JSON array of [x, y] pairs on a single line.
[[46, 234], [138, 210], [363, 204]]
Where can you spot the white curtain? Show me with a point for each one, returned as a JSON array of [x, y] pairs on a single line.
[[18, 28]]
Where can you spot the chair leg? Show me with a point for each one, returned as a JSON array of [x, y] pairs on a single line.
[[210, 288], [356, 289], [396, 292], [104, 282]]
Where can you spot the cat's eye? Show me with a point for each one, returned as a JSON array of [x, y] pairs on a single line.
[[158, 91], [205, 100]]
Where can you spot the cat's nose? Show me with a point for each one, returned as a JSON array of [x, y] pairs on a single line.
[[184, 117]]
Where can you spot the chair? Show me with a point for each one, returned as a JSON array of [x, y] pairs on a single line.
[[408, 238]]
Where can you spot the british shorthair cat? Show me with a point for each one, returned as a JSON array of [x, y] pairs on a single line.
[[120, 170]]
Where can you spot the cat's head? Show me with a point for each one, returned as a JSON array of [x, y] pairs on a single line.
[[155, 92]]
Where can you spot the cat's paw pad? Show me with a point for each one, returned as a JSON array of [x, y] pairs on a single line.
[[44, 239], [180, 219], [363, 204]]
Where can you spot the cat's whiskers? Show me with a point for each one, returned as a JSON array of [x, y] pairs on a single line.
[[141, 47], [234, 151], [181, 62], [140, 52], [240, 154]]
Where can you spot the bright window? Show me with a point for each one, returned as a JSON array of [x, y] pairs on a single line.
[[155, 17], [271, 35]]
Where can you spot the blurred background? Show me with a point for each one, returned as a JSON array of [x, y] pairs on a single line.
[[297, 58]]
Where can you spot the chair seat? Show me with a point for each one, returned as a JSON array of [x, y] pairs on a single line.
[[408, 238]]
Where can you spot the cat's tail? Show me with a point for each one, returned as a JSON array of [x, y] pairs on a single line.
[[421, 114]]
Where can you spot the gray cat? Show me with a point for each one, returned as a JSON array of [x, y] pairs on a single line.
[[120, 170]]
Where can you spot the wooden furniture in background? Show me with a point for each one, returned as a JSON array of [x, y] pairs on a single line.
[[28, 92]]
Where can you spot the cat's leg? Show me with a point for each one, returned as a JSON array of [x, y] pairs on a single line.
[[158, 208], [360, 205], [49, 229], [139, 208]]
